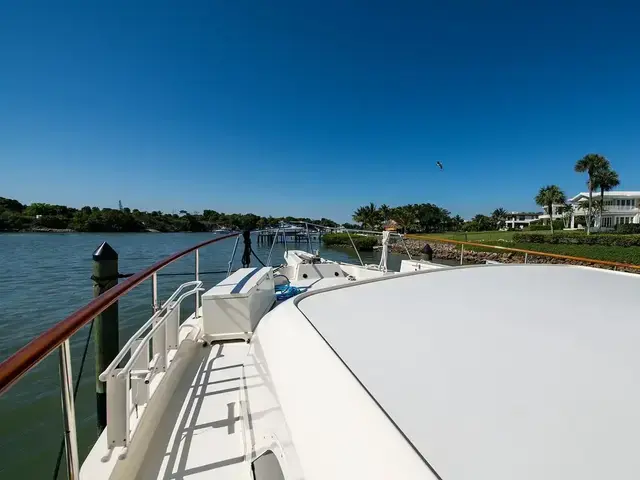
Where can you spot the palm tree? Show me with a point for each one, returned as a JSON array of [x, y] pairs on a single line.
[[591, 163], [404, 217], [385, 212], [457, 222], [566, 210], [359, 216], [499, 216], [367, 216], [547, 197], [584, 206], [605, 180]]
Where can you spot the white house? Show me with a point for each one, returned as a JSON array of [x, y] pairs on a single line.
[[520, 220], [557, 213], [619, 208]]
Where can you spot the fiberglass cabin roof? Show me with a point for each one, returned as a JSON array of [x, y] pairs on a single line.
[[500, 372]]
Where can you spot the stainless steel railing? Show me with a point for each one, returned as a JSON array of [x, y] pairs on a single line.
[[58, 337]]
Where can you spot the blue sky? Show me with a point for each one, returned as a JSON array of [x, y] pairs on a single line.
[[313, 108]]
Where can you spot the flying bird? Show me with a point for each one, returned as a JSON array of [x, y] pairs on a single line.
[[439, 164]]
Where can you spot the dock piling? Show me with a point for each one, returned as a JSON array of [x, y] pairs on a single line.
[[106, 334]]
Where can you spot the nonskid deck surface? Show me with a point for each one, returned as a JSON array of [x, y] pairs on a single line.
[[200, 436]]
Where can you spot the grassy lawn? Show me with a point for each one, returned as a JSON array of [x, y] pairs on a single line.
[[505, 239]]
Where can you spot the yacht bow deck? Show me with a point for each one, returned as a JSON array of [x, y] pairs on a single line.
[[201, 435], [485, 386]]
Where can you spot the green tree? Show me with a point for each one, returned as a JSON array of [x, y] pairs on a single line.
[[385, 212], [431, 218], [547, 197], [367, 216], [499, 216], [11, 205], [591, 164], [405, 217], [482, 223], [351, 226], [606, 180], [566, 210], [457, 222]]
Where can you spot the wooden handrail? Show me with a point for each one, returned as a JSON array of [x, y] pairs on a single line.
[[529, 252], [14, 367]]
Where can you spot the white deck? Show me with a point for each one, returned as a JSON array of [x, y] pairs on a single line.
[[501, 372], [200, 436]]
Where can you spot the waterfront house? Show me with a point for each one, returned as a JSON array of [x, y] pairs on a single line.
[[557, 213], [520, 220], [620, 207]]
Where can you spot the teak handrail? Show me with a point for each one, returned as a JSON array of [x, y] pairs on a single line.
[[529, 252], [18, 364]]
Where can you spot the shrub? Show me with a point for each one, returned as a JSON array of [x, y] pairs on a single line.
[[538, 226], [628, 228], [363, 243], [564, 238]]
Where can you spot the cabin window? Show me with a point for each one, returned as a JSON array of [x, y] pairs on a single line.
[[267, 467]]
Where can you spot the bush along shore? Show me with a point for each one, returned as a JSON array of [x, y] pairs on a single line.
[[362, 242], [476, 255]]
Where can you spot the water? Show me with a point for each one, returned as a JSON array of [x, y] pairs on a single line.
[[44, 278]]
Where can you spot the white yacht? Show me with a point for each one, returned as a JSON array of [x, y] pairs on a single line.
[[316, 369]]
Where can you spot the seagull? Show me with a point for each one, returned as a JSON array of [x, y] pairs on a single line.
[[439, 164]]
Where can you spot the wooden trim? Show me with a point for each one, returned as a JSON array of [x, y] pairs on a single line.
[[14, 367], [530, 252]]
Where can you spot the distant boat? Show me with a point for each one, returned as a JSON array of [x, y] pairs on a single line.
[[222, 230]]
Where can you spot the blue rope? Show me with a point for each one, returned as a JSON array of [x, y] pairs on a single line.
[[284, 292]]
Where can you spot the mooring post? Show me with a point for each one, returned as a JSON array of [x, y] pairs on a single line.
[[105, 276], [427, 252]]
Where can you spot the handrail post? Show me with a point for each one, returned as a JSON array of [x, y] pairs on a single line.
[[526, 257], [461, 254], [233, 255], [154, 293], [197, 278], [106, 341], [69, 412], [273, 244]]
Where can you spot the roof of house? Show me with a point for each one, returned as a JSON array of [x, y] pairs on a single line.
[[622, 194]]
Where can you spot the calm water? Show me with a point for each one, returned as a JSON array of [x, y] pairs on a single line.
[[45, 277]]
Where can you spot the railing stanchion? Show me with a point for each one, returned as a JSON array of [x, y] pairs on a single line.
[[275, 238], [69, 412], [154, 293], [233, 255], [526, 257], [461, 254], [197, 278]]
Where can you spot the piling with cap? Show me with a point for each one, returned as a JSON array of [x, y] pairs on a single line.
[[106, 334]]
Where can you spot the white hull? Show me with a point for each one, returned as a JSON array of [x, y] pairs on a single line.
[[372, 374]]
